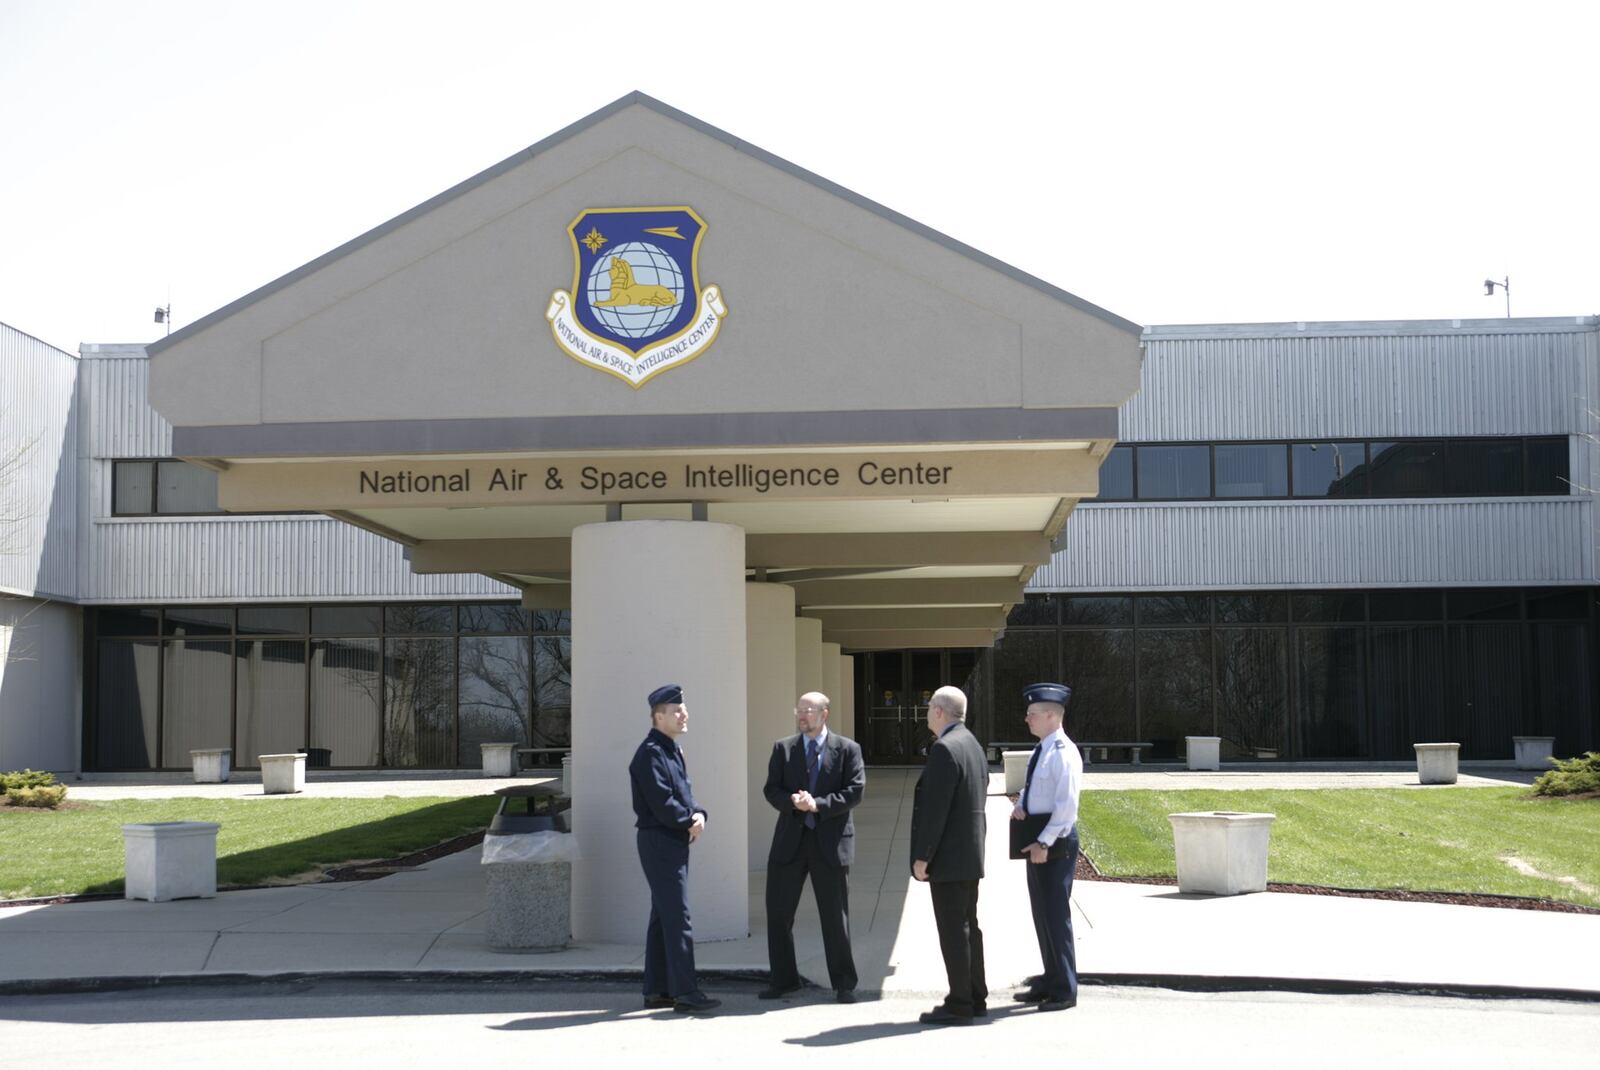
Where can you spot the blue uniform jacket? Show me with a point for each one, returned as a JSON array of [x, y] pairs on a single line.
[[662, 796]]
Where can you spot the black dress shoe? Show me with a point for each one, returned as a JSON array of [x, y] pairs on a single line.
[[778, 991], [980, 1010], [1053, 1004], [695, 1003], [944, 1016], [1031, 995], [657, 1001], [845, 995]]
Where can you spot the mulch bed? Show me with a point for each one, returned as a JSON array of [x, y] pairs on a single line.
[[371, 871], [1087, 872]]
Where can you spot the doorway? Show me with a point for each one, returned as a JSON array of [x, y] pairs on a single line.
[[895, 691]]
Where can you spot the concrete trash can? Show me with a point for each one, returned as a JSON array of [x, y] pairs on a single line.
[[1016, 765], [499, 759], [1221, 852], [1437, 763], [212, 766], [1533, 752], [1204, 752], [168, 860], [282, 774], [527, 858]]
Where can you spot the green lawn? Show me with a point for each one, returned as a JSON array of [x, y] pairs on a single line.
[[78, 851], [1451, 840]]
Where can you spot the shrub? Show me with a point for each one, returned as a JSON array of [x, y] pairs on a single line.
[[46, 797], [1571, 776], [28, 778]]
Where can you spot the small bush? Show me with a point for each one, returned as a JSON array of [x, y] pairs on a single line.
[[45, 797], [28, 778], [1572, 776]]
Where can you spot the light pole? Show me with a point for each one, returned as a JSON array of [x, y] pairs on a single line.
[[1504, 284]]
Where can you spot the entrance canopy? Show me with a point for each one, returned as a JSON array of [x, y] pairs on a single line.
[[642, 317]]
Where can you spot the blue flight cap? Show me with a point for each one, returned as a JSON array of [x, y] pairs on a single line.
[[661, 696], [1057, 693]]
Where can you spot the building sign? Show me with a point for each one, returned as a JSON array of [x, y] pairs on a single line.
[[568, 479], [636, 307]]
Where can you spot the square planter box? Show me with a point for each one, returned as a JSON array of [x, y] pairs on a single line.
[[212, 766], [170, 860], [282, 774], [499, 759], [1437, 763], [1205, 752], [1221, 852], [1016, 766], [1533, 752]]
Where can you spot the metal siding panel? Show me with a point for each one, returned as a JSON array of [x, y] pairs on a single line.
[[1207, 545], [38, 435]]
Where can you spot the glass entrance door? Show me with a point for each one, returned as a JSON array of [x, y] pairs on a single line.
[[898, 686]]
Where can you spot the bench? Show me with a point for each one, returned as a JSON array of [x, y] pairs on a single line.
[[557, 752], [1133, 750]]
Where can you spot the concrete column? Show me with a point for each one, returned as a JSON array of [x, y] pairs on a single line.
[[657, 602], [844, 704], [807, 655], [770, 691], [830, 682]]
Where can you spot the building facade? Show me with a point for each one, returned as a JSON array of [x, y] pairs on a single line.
[[1317, 541]]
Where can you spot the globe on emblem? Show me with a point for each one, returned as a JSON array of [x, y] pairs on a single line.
[[653, 273]]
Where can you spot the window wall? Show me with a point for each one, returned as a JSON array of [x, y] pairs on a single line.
[[1309, 674], [359, 686]]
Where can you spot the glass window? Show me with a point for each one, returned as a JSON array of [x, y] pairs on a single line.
[[1558, 605], [346, 694], [1330, 691], [1033, 609], [182, 487], [1174, 688], [1078, 610], [345, 620], [496, 693], [198, 620], [1485, 603], [1330, 469], [194, 709], [1548, 466], [125, 713], [1329, 606], [128, 620], [419, 703], [1252, 689], [1252, 471], [1561, 672], [1407, 469], [272, 620], [1174, 609], [552, 691], [1487, 704], [133, 488], [496, 617], [1252, 608], [1406, 605], [1174, 472], [419, 620], [1098, 666], [553, 621], [271, 693], [1116, 475], [1405, 685], [1484, 466], [1021, 658]]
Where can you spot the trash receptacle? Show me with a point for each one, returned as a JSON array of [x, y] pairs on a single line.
[[527, 855]]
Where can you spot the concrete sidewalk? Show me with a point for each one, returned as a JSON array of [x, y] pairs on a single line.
[[432, 919]]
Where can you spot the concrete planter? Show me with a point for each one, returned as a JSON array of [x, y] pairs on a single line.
[[1534, 752], [1205, 752], [170, 860], [1437, 763], [1016, 765], [282, 774], [566, 776], [1221, 852], [212, 766], [498, 759], [528, 882]]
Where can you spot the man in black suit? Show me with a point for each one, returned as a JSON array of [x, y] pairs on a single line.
[[814, 779], [947, 834]]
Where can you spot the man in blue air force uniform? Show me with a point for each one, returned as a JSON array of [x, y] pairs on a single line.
[[669, 820], [814, 779], [1050, 801]]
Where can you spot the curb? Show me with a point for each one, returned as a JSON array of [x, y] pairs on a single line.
[[508, 978]]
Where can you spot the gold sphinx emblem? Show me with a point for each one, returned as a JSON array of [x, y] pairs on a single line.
[[625, 291]]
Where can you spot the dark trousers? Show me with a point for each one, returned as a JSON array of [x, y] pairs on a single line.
[[955, 912], [830, 883], [669, 939], [1050, 893]]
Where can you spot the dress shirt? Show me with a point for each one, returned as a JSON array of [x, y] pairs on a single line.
[[1054, 787]]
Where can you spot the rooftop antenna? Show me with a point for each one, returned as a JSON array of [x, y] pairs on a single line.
[[1504, 284], [164, 312]]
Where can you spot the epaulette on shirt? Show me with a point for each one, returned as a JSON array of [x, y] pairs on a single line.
[[1060, 744]]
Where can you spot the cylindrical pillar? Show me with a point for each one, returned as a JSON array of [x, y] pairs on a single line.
[[830, 683], [769, 657], [657, 602], [844, 703], [807, 655]]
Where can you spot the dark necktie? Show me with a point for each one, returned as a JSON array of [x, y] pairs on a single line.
[[1033, 763], [813, 753]]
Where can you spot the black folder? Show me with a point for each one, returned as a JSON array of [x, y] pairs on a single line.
[[1027, 831]]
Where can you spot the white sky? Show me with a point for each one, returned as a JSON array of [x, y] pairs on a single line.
[[1174, 163]]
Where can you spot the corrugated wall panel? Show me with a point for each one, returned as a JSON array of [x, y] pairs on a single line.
[[38, 470], [116, 403], [1466, 382], [1209, 545], [287, 558]]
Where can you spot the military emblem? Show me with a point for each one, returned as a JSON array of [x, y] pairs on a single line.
[[636, 307]]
